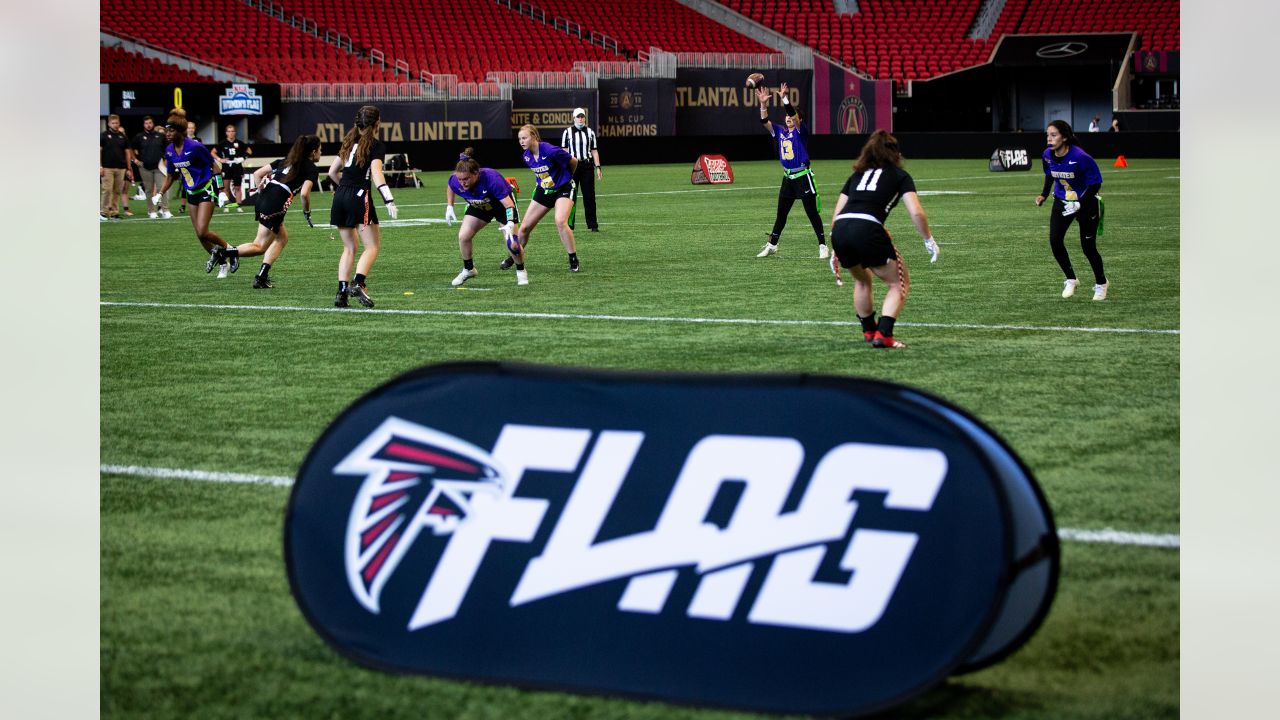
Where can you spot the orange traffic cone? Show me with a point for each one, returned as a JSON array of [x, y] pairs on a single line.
[[1121, 162]]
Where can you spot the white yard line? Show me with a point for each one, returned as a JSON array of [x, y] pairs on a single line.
[[1106, 535], [633, 318]]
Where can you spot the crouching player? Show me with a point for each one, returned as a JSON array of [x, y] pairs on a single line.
[[295, 174], [488, 196]]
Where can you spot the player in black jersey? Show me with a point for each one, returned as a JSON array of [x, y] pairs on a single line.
[[231, 153], [861, 242], [357, 170], [280, 181]]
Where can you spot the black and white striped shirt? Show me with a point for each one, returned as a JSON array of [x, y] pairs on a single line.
[[579, 143]]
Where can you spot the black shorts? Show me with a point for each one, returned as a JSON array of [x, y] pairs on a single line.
[[493, 213], [272, 204], [548, 198], [233, 173], [203, 195], [798, 188], [352, 207], [862, 242]]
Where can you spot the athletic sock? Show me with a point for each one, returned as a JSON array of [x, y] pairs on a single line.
[[342, 286], [468, 264], [359, 280], [231, 251], [262, 271], [886, 325], [573, 257], [868, 322], [520, 266]]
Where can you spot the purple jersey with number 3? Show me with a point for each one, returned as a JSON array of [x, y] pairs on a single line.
[[551, 166]]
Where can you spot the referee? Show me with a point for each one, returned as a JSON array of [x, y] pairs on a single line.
[[580, 141]]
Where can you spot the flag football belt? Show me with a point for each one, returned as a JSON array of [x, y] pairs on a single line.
[[286, 187], [792, 175], [207, 187], [858, 216]]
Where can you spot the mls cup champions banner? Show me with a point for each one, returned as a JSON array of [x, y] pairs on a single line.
[[718, 102], [636, 108], [463, 120], [845, 104]]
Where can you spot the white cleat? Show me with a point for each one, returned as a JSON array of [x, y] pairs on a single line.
[[823, 252], [463, 276], [165, 214], [1100, 291], [768, 249], [222, 271], [153, 215], [1069, 288], [522, 277]]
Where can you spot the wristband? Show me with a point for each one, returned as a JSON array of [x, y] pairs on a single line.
[[217, 181], [512, 215], [386, 194]]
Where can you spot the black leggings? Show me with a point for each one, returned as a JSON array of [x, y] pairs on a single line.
[[810, 201], [1087, 216]]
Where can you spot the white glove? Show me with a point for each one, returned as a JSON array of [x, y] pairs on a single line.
[[449, 215], [509, 229], [222, 198], [1070, 208], [155, 199], [391, 210], [931, 247]]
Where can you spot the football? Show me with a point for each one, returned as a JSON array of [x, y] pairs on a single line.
[[754, 79]]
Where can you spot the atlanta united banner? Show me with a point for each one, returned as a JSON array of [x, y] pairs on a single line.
[[460, 120], [845, 104]]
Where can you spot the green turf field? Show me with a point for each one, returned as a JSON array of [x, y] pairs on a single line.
[[201, 374]]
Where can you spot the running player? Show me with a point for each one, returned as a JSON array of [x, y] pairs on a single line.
[[553, 167], [191, 160], [231, 153], [797, 178], [295, 174], [1075, 180], [357, 170], [862, 244], [488, 197]]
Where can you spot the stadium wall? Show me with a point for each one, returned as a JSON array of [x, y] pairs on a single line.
[[505, 153]]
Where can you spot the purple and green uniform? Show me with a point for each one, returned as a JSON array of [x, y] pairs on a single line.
[[484, 199], [553, 172], [1070, 174], [194, 165]]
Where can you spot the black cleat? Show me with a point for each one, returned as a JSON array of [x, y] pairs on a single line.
[[361, 293], [215, 259], [340, 300], [234, 260], [573, 264], [262, 282], [507, 264]]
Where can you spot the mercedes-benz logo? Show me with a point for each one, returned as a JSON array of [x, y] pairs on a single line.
[[1061, 50]]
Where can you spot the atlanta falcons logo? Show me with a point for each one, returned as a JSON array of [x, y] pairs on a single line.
[[415, 478]]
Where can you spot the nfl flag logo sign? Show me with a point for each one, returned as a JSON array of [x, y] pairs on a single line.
[[240, 100], [669, 537]]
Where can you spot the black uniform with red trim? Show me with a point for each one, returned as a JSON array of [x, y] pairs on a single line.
[[859, 236], [277, 194], [352, 204]]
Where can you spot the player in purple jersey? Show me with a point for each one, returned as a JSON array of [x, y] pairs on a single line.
[[797, 178], [553, 167], [190, 160], [488, 197], [1075, 180]]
